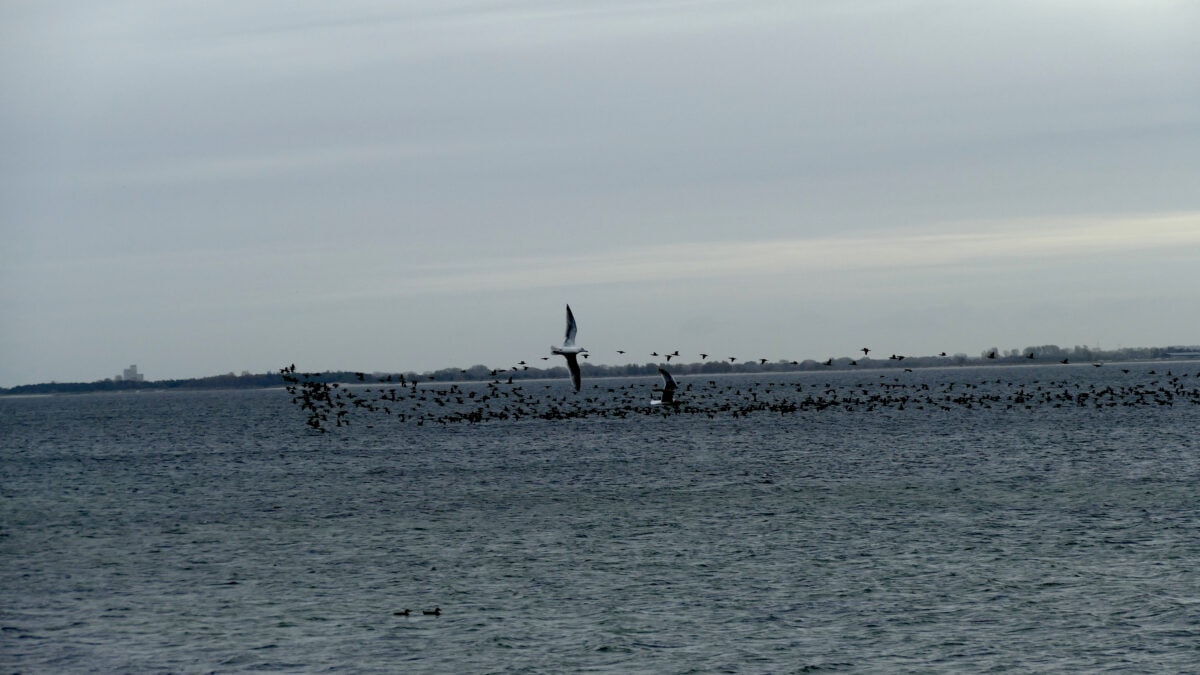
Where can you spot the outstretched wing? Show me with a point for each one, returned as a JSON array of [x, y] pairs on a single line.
[[570, 329], [573, 366], [669, 386]]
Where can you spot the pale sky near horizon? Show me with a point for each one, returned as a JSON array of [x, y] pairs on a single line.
[[205, 187]]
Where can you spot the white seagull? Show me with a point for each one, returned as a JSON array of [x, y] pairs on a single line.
[[668, 389], [569, 350]]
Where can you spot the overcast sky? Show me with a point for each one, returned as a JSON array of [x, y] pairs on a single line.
[[204, 187]]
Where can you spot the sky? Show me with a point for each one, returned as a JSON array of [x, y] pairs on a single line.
[[206, 187]]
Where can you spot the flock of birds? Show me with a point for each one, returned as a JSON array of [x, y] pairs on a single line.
[[406, 400]]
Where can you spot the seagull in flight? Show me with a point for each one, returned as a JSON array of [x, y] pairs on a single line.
[[668, 389], [570, 351]]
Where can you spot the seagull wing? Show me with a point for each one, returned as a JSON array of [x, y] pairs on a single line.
[[669, 386], [570, 338], [573, 366]]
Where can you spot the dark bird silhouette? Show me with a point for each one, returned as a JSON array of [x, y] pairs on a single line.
[[865, 350], [436, 611]]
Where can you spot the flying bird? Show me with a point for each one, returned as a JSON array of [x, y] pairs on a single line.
[[668, 389], [570, 351]]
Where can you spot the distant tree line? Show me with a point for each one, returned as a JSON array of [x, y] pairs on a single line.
[[227, 381], [521, 371]]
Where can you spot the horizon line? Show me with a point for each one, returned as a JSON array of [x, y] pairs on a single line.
[[1169, 352]]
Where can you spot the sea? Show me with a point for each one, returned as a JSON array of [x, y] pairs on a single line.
[[945, 520]]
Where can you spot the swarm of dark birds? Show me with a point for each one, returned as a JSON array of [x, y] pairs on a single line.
[[405, 400], [397, 397]]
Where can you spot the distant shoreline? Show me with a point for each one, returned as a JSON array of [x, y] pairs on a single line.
[[1047, 355]]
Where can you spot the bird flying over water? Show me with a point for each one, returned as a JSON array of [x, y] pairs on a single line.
[[570, 351]]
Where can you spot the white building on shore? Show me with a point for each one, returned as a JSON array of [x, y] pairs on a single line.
[[131, 374]]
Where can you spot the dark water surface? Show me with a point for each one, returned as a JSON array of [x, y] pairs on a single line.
[[197, 532]]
